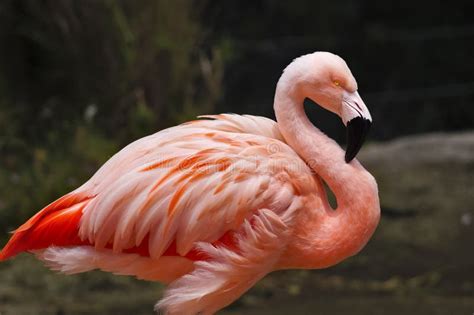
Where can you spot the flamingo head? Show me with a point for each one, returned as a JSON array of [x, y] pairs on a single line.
[[326, 79]]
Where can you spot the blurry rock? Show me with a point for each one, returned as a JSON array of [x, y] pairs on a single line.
[[426, 188]]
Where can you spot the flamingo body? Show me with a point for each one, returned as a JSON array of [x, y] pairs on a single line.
[[157, 196], [209, 206]]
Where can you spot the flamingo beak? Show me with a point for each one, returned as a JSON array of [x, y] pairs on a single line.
[[357, 129], [357, 119]]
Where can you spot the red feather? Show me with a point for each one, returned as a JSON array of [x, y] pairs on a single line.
[[57, 224]]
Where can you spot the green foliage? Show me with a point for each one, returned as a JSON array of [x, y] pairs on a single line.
[[112, 54]]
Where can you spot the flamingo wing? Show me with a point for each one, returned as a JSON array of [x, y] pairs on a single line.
[[195, 182]]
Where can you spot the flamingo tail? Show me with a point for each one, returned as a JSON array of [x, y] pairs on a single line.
[[55, 225]]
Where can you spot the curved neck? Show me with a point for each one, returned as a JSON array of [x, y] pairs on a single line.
[[321, 153], [332, 235]]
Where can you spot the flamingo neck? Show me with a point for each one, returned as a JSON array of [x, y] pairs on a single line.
[[324, 236]]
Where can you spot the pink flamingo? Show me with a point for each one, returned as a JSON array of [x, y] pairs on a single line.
[[213, 205]]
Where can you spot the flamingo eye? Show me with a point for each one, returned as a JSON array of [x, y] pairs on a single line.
[[336, 83]]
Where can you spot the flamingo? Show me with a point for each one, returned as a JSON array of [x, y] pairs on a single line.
[[211, 206]]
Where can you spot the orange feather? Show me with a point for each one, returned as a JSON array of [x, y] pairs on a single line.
[[57, 224]]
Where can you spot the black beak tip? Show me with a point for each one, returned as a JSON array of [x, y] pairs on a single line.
[[349, 157], [357, 129]]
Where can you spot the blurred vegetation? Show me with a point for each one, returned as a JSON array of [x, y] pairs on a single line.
[[80, 79]]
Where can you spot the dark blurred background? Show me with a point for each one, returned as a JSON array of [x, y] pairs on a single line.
[[80, 79]]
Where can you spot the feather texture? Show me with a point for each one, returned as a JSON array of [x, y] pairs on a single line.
[[190, 185], [160, 195]]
